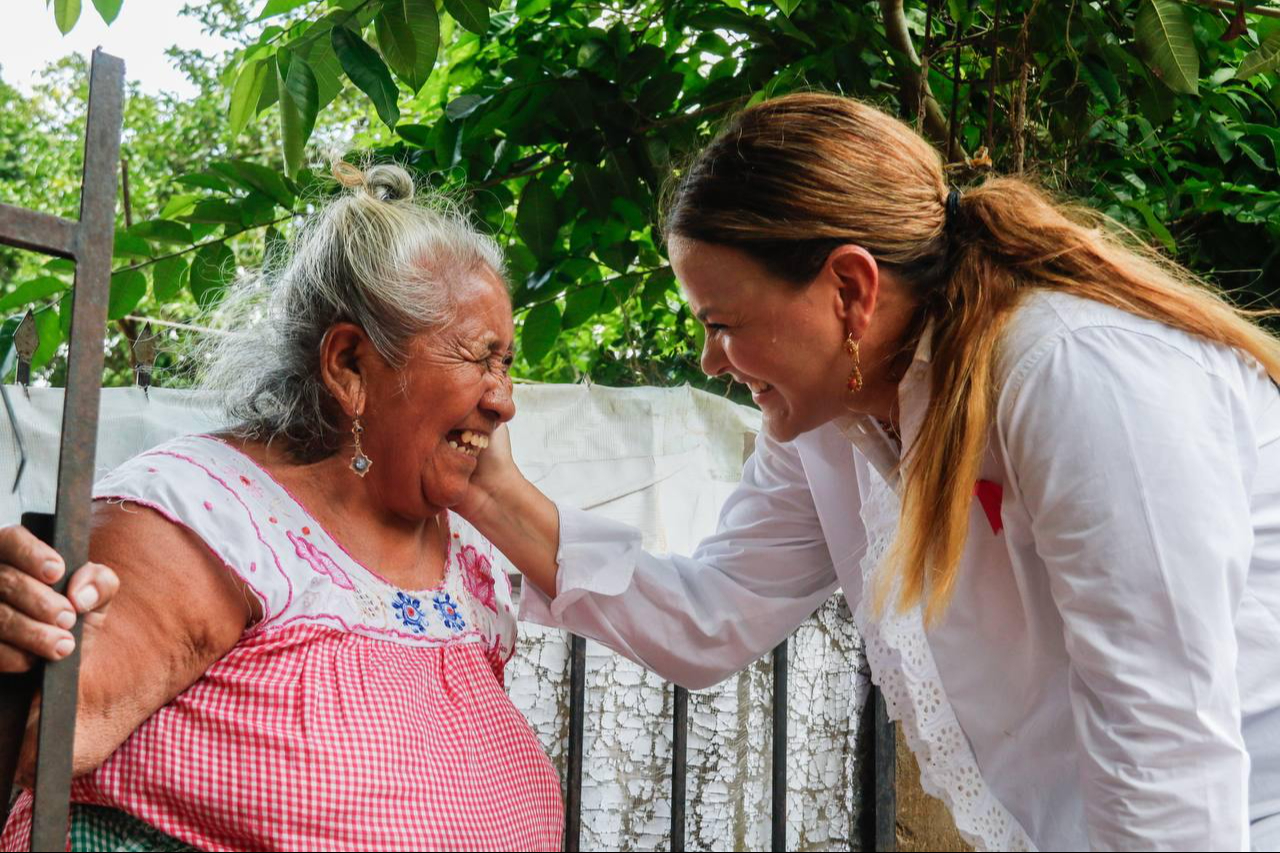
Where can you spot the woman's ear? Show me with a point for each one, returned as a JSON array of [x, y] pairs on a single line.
[[855, 276], [344, 356]]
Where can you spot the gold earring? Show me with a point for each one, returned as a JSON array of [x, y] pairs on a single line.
[[359, 463], [855, 376]]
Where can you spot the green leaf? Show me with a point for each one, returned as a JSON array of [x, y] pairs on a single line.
[[460, 108], [166, 279], [162, 231], [536, 218], [787, 6], [657, 285], [367, 70], [582, 304], [299, 103], [31, 291], [317, 49], [127, 289], [213, 211], [541, 328], [472, 14], [213, 266], [415, 134], [179, 205], [66, 13], [594, 188], [205, 181], [591, 52], [1263, 60], [258, 178], [278, 7], [51, 336], [1154, 225], [128, 246], [246, 94], [409, 35], [108, 9], [1168, 45], [65, 308]]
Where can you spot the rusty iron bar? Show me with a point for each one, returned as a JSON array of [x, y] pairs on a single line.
[[89, 243], [577, 718], [679, 763], [37, 232]]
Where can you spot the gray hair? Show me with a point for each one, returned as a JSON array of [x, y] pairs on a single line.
[[376, 256]]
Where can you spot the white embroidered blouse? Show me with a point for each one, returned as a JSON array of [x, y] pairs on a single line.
[[1108, 673]]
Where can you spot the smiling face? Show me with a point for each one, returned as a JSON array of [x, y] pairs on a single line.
[[426, 424], [785, 343]]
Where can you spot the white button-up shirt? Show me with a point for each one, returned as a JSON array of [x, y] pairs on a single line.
[[1108, 673]]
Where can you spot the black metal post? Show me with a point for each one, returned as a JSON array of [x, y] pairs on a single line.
[[577, 716], [679, 763], [780, 747], [885, 791]]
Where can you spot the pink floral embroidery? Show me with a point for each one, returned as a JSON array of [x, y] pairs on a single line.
[[477, 576], [319, 560]]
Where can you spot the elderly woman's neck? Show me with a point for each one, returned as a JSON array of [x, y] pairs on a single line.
[[407, 550]]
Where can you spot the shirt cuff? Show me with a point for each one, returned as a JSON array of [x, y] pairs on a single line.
[[597, 556]]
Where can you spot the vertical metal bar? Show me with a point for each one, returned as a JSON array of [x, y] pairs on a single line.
[[780, 747], [577, 716], [679, 763], [885, 750], [94, 240]]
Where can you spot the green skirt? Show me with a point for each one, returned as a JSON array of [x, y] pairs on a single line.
[[99, 828]]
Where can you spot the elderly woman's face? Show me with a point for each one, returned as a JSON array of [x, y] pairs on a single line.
[[425, 426]]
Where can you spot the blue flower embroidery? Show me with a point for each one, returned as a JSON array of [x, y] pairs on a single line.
[[449, 612], [410, 612]]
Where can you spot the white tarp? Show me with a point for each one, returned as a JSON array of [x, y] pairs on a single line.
[[663, 460]]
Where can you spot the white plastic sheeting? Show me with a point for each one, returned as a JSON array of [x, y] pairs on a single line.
[[663, 460]]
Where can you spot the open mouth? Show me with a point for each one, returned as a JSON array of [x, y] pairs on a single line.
[[468, 442], [759, 389]]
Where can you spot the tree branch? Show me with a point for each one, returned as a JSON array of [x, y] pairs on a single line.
[[194, 246], [1229, 5], [914, 86]]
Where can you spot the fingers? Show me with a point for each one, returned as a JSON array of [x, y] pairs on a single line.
[[22, 637], [21, 549], [91, 590], [35, 621]]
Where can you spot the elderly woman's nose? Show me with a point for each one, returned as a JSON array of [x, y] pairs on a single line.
[[499, 403]]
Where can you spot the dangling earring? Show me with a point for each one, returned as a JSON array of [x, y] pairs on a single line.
[[359, 463], [855, 376]]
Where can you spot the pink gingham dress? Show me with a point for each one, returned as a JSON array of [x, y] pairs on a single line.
[[354, 715]]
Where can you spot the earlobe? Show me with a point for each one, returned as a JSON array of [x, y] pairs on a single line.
[[341, 368], [857, 277]]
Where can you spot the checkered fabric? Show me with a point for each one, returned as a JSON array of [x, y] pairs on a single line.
[[353, 716]]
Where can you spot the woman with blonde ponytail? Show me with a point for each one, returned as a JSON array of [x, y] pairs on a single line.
[[1040, 460]]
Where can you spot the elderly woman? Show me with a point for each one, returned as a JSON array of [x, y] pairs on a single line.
[[306, 647]]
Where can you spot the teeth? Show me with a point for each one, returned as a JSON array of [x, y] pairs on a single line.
[[467, 436]]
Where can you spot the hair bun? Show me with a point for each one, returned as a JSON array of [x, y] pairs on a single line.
[[385, 182]]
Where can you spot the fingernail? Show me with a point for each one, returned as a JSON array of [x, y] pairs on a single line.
[[87, 598], [52, 570], [64, 647], [66, 619]]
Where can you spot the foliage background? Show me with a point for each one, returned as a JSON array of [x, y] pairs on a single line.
[[560, 121]]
